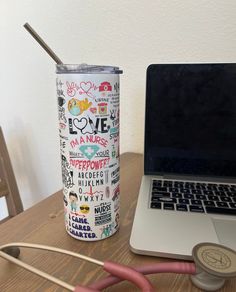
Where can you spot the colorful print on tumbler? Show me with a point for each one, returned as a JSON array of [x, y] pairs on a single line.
[[88, 113]]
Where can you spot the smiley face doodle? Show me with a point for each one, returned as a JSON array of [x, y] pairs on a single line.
[[84, 209], [77, 107]]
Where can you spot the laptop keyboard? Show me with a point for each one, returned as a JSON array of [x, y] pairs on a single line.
[[184, 196]]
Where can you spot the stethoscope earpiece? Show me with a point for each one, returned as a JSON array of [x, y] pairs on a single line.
[[13, 251], [214, 264]]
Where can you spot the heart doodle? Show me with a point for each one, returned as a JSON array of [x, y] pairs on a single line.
[[80, 124], [86, 86]]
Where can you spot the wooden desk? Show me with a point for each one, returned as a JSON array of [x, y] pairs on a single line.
[[44, 224]]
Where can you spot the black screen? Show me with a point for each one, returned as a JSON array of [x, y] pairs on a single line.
[[190, 123]]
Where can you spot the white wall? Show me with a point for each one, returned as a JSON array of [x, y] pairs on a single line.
[[130, 34]]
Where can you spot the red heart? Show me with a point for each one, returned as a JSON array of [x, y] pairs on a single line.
[[86, 86]]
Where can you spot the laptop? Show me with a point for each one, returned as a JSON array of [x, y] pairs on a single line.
[[188, 191]]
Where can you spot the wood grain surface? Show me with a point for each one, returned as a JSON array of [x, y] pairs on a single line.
[[44, 224]]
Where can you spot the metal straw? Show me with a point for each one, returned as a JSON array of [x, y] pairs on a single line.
[[42, 43]]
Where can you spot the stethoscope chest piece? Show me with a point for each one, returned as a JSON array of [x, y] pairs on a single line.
[[215, 263]]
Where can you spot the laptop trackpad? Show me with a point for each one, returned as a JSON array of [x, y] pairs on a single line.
[[226, 232]]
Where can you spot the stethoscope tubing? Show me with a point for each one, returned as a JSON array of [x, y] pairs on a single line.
[[118, 272], [168, 267]]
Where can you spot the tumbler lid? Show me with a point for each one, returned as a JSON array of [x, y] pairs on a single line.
[[86, 69]]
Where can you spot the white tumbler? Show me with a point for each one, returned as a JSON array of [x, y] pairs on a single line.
[[88, 112]]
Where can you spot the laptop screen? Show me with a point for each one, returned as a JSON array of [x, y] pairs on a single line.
[[190, 123]]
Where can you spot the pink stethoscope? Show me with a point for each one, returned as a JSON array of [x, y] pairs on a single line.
[[118, 272]]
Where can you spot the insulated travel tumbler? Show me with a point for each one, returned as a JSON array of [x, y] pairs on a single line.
[[88, 113]]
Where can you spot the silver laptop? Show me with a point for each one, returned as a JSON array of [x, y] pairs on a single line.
[[188, 191]]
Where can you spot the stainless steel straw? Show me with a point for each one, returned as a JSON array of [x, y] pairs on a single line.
[[42, 43]]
